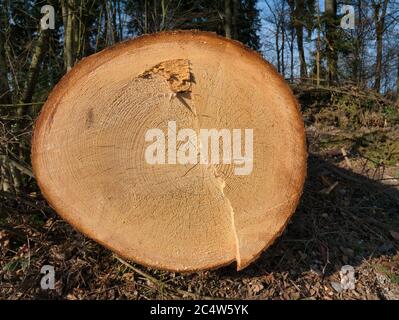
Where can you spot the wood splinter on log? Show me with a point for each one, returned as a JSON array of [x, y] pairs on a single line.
[[176, 72], [90, 151]]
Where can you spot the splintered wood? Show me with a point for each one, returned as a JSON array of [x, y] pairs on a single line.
[[176, 73], [180, 151]]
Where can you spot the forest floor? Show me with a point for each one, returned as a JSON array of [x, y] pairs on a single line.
[[348, 215]]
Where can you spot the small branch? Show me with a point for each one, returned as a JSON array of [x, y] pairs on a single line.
[[21, 104], [20, 167], [160, 283], [24, 200]]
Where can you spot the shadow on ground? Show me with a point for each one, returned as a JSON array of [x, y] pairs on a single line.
[[345, 225]]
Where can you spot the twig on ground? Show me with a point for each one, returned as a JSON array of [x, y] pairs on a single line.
[[160, 283]]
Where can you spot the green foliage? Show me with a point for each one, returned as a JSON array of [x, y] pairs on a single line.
[[347, 108]]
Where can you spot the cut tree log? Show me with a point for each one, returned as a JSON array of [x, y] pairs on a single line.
[[89, 151]]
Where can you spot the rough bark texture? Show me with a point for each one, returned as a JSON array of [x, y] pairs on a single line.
[[5, 96], [331, 39], [297, 10], [34, 68], [397, 80], [380, 11], [228, 19], [69, 34], [88, 151]]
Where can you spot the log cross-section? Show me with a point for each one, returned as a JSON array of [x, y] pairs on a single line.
[[188, 208]]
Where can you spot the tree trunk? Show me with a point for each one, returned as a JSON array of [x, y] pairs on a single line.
[[120, 21], [5, 95], [276, 39], [163, 192], [227, 19], [110, 39], [34, 67], [397, 81], [291, 5], [378, 63], [26, 97], [297, 9], [301, 52], [331, 30], [358, 48], [69, 6], [292, 39], [235, 18], [318, 46], [380, 10], [282, 49], [145, 16]]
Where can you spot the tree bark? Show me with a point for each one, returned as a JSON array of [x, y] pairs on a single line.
[[227, 19], [318, 46], [357, 76], [380, 10], [331, 30], [110, 34], [297, 9], [69, 6], [292, 39], [235, 18], [397, 80], [5, 94], [301, 51], [282, 48], [277, 43], [34, 68]]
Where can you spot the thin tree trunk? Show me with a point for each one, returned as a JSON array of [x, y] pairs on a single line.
[[114, 20], [155, 17], [282, 49], [291, 4], [31, 77], [164, 15], [301, 51], [227, 18], [318, 46], [235, 16], [397, 81], [380, 10], [26, 97], [64, 10], [69, 35], [110, 39], [296, 13], [5, 176], [145, 16], [277, 43], [292, 54], [331, 26], [80, 31], [378, 64], [5, 96], [357, 48], [120, 21]]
